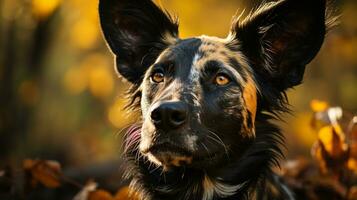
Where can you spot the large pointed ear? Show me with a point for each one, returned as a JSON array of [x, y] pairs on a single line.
[[281, 38], [136, 31]]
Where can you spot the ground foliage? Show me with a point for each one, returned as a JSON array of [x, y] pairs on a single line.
[[333, 173]]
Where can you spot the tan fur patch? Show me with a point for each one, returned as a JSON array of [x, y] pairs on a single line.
[[250, 99], [167, 160], [179, 160]]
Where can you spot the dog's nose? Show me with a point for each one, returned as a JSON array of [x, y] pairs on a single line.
[[169, 115]]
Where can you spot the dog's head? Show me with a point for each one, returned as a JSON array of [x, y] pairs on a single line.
[[200, 96]]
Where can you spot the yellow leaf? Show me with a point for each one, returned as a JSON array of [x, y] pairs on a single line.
[[332, 141], [331, 151]]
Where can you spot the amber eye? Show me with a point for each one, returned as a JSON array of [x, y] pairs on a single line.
[[222, 79], [158, 77]]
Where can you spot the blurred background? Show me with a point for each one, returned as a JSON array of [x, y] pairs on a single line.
[[60, 98]]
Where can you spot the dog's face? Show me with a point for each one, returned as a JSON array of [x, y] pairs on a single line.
[[198, 100], [200, 97]]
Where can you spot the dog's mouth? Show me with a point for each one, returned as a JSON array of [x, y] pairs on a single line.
[[167, 147], [170, 155]]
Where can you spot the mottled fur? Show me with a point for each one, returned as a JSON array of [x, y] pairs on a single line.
[[227, 144]]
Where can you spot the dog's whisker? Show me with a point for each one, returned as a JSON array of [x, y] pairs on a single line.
[[156, 168], [128, 128], [183, 173], [220, 141], [208, 152], [163, 174]]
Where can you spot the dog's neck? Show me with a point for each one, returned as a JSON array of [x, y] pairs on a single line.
[[239, 179]]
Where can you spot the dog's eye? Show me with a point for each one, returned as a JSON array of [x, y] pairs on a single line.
[[222, 79], [157, 77]]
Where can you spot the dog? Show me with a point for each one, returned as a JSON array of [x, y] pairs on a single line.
[[209, 104]]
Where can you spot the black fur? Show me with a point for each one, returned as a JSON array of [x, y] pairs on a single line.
[[210, 141]]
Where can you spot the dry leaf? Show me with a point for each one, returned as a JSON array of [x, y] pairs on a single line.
[[91, 186], [47, 172], [330, 187], [126, 193], [352, 165], [333, 142], [330, 151], [353, 137], [90, 192], [352, 195], [100, 195]]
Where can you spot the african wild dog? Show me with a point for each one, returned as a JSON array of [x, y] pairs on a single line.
[[208, 103]]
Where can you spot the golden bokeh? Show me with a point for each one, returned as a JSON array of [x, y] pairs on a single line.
[[118, 116], [75, 81], [84, 33], [43, 8]]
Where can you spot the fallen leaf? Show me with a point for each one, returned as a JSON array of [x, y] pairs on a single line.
[[47, 172], [333, 142], [352, 165], [352, 195], [91, 186], [329, 188], [100, 195], [353, 137], [330, 151], [126, 193]]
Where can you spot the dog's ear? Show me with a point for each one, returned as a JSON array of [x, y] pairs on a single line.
[[281, 38], [136, 31]]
